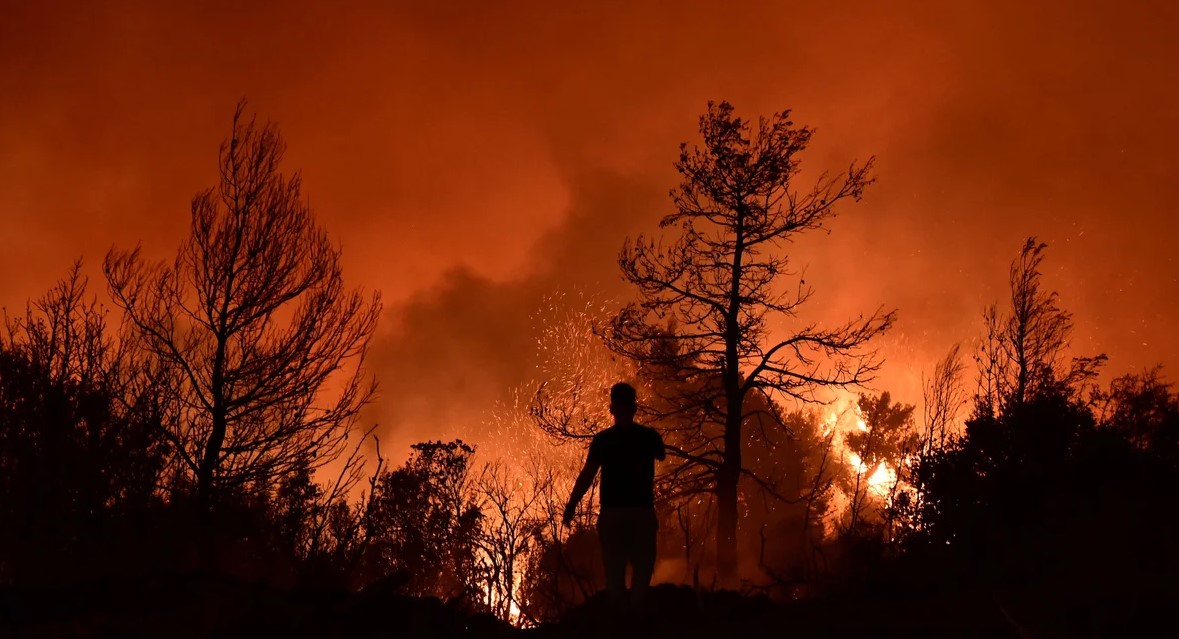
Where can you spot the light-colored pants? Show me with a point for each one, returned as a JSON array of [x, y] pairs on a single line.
[[628, 536]]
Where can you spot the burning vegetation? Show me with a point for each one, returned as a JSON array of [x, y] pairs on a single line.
[[197, 436]]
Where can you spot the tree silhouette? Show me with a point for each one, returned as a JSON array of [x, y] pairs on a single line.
[[942, 398], [318, 529], [515, 515], [1036, 477], [1145, 409], [79, 463], [424, 520], [1024, 352], [266, 343], [713, 291]]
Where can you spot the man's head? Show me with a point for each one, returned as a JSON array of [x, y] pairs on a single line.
[[623, 403]]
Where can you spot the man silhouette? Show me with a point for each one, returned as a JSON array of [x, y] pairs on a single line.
[[626, 454]]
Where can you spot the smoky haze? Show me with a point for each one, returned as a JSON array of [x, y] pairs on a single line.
[[473, 158]]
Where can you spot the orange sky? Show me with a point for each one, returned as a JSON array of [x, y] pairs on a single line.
[[473, 156]]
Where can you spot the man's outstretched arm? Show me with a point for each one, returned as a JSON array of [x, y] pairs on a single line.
[[585, 479]]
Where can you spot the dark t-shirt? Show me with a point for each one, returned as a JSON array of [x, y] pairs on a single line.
[[627, 455]]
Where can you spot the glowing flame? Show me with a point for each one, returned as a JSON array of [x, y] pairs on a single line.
[[494, 602], [878, 482]]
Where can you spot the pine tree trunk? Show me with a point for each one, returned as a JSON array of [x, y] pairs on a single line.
[[726, 526], [727, 484]]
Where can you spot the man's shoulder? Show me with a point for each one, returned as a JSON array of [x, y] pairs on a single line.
[[626, 432], [649, 431], [604, 436]]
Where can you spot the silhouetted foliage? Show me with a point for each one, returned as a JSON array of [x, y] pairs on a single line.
[[561, 574], [1145, 410], [318, 529], [239, 374], [1030, 424], [78, 469], [424, 521], [1049, 495]]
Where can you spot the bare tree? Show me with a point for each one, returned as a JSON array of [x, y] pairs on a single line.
[[64, 333], [1024, 352], [560, 570], [322, 529], [943, 397], [516, 512], [713, 290], [253, 315], [815, 499]]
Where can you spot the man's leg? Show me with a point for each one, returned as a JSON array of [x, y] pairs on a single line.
[[612, 537], [644, 531]]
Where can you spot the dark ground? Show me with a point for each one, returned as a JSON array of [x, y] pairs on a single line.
[[192, 607]]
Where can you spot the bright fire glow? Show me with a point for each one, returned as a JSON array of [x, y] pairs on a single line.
[[494, 602], [880, 480], [878, 483]]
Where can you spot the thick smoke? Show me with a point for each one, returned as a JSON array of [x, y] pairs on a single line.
[[472, 160], [460, 348]]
